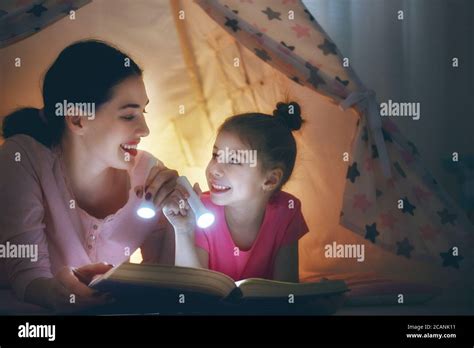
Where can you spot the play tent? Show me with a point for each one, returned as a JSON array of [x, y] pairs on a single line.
[[360, 181]]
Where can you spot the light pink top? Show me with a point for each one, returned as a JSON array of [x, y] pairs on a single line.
[[283, 224], [35, 209]]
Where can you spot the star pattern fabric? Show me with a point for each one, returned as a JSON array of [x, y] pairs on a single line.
[[450, 259], [233, 24], [297, 47], [404, 248], [37, 10], [427, 220], [371, 232], [20, 19], [272, 14]]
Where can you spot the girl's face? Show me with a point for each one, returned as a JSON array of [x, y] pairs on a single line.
[[234, 174], [112, 136]]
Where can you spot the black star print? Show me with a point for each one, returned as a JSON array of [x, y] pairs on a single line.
[[297, 80], [399, 169], [404, 248], [235, 11], [371, 232], [311, 18], [69, 9], [365, 134], [446, 217], [375, 152], [450, 260], [37, 10], [272, 14], [328, 47], [414, 150], [378, 193], [262, 54], [408, 207], [386, 136], [233, 24], [344, 82], [291, 48], [314, 77], [352, 172]]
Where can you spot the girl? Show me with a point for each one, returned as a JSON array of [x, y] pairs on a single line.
[[67, 181], [257, 224]]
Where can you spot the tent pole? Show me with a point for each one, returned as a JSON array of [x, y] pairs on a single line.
[[189, 59]]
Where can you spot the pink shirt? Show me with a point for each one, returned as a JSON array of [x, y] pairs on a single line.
[[35, 209], [283, 223]]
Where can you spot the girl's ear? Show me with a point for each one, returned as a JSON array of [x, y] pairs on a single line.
[[273, 179]]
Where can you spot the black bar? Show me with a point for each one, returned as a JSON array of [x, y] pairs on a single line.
[[288, 330]]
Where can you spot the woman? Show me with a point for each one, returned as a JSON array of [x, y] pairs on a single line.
[[72, 179]]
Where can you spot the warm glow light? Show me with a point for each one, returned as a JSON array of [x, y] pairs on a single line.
[[205, 220], [146, 210]]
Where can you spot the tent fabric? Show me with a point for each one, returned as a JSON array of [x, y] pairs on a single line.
[[193, 85], [20, 19], [405, 213]]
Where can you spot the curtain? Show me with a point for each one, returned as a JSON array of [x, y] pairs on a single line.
[[390, 198], [20, 19]]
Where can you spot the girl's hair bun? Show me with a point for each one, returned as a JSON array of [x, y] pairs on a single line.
[[289, 114]]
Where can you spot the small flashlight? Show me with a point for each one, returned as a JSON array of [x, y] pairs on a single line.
[[204, 218], [146, 210]]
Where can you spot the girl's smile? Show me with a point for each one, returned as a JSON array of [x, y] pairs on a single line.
[[232, 181]]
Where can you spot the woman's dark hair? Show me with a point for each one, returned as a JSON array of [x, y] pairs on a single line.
[[84, 72], [270, 136]]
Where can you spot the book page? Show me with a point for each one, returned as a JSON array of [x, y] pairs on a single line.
[[255, 287], [171, 277]]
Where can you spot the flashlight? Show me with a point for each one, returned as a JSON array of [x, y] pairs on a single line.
[[146, 210], [204, 218]]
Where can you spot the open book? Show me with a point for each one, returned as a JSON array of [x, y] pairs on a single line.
[[161, 287]]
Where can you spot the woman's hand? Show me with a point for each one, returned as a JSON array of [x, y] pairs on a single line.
[[178, 212], [160, 183], [68, 290]]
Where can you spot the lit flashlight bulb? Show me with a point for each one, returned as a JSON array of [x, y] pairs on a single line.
[[146, 210], [204, 218]]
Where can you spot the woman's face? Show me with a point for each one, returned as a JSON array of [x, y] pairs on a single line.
[[233, 179], [113, 135]]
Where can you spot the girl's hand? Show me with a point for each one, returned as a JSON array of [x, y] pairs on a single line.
[[178, 212], [68, 291]]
